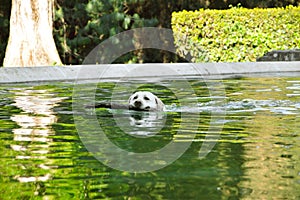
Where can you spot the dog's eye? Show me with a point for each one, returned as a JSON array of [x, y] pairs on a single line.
[[135, 97], [146, 98]]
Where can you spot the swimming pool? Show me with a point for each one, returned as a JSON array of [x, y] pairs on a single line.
[[256, 154]]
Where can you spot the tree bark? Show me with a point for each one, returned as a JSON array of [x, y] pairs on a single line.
[[31, 41]]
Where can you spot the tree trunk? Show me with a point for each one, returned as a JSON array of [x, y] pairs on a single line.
[[31, 41]]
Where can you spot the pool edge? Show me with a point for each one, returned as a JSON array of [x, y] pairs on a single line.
[[117, 71]]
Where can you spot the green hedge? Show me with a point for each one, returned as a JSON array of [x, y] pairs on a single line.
[[235, 35]]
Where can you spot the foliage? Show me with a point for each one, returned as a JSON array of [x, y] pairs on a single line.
[[237, 34], [4, 26], [80, 25]]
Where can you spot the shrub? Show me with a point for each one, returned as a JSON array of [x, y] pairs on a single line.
[[80, 25], [235, 35]]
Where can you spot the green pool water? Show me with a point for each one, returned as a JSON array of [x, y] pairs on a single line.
[[255, 152]]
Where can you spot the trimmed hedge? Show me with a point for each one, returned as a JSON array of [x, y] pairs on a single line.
[[235, 35]]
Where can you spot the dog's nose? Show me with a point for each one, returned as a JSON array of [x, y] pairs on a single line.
[[137, 104]]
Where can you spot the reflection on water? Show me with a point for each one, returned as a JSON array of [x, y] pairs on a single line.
[[256, 157], [32, 136], [141, 124]]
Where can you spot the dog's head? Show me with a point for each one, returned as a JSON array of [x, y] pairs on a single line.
[[145, 101]]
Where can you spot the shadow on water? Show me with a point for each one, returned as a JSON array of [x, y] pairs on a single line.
[[255, 157]]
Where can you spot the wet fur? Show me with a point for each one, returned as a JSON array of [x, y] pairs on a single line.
[[139, 101]]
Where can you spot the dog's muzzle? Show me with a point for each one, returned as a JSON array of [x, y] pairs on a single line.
[[137, 104]]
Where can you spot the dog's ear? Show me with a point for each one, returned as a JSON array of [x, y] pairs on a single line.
[[158, 102], [130, 98]]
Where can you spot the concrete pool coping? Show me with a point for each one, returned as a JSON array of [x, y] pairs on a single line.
[[145, 71]]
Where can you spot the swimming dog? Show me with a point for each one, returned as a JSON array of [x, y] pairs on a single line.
[[139, 101], [145, 101]]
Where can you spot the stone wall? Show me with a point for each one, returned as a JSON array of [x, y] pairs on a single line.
[[281, 55]]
